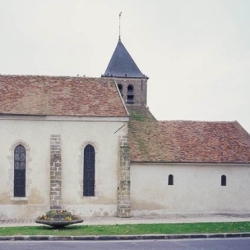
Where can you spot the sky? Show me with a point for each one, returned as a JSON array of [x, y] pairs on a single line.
[[196, 53]]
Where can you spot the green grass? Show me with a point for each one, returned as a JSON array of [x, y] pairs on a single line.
[[180, 228]]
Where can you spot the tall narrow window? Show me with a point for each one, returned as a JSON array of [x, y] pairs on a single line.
[[223, 180], [120, 88], [19, 171], [89, 171], [130, 94], [170, 179]]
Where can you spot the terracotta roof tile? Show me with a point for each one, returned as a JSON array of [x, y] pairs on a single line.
[[186, 141], [52, 95]]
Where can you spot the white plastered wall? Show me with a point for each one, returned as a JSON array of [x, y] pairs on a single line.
[[197, 188], [34, 134]]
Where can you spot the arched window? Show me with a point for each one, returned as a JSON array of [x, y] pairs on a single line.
[[89, 171], [130, 94], [19, 171], [223, 180], [170, 179], [120, 88]]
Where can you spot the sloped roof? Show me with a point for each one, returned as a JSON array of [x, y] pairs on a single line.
[[122, 64], [186, 141], [57, 96]]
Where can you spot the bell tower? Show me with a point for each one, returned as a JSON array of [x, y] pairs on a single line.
[[131, 82]]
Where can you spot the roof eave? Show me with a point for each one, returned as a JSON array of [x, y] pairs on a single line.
[[131, 77], [189, 162]]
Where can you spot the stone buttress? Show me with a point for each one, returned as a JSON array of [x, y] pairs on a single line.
[[55, 172], [123, 198]]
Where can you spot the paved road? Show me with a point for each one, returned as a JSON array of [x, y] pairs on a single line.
[[207, 244]]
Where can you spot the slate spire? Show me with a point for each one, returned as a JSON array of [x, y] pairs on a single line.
[[122, 64]]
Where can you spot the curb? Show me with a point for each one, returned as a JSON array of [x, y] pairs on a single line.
[[122, 237]]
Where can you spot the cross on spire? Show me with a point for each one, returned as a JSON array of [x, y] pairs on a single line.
[[120, 26]]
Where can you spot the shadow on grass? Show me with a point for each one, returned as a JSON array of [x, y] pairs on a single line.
[[48, 228]]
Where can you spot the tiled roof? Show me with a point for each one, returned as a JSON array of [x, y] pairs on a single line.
[[57, 96], [186, 141], [122, 64]]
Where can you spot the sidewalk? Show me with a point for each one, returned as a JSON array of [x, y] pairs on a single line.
[[172, 218]]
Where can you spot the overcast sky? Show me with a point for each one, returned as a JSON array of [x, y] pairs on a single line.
[[196, 53]]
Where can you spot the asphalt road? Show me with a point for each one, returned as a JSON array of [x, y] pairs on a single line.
[[195, 244]]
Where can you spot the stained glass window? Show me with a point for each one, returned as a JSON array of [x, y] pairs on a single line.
[[19, 171], [89, 171]]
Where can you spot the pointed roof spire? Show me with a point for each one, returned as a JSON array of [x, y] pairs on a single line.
[[122, 64]]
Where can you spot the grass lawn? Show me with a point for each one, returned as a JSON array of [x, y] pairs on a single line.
[[179, 228]]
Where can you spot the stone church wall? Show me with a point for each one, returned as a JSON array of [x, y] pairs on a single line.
[[196, 188], [35, 135]]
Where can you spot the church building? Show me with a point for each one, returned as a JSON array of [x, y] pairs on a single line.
[[91, 146]]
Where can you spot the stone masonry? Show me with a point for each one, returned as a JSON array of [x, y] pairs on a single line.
[[55, 172], [140, 89], [123, 199]]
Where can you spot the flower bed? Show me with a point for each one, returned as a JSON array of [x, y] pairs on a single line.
[[58, 218]]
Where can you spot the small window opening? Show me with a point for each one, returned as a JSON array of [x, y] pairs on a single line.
[[223, 180], [130, 94], [170, 179], [120, 88]]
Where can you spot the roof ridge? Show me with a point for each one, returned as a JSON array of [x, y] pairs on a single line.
[[50, 76]]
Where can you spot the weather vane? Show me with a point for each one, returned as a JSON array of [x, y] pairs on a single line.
[[120, 26]]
